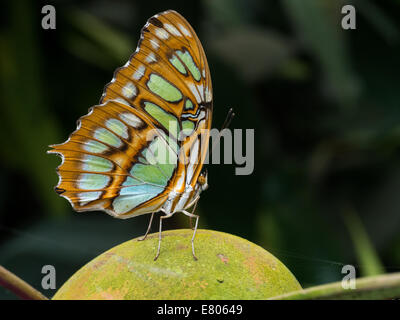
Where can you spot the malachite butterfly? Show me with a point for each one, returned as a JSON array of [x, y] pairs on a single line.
[[159, 102]]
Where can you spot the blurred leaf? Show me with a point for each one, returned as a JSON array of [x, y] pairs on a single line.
[[319, 26], [108, 43], [24, 108], [254, 53], [66, 243], [381, 209], [302, 237], [370, 288], [367, 256], [294, 69], [229, 13], [269, 230], [382, 23], [89, 52]]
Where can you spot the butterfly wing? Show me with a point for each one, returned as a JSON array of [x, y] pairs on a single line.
[[111, 161], [169, 57]]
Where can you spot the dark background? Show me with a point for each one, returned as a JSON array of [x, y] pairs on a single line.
[[324, 103]]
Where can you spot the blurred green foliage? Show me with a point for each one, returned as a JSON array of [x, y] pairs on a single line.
[[324, 103]]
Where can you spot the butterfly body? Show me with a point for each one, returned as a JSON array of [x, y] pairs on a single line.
[[141, 150]]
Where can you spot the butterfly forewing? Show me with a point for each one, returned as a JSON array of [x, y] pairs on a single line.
[[160, 100]]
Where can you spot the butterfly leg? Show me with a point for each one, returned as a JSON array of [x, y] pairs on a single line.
[[194, 209], [191, 215], [159, 235], [148, 228]]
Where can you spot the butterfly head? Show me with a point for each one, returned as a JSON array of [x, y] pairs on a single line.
[[202, 180]]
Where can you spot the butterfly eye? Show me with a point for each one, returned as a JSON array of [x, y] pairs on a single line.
[[202, 181]]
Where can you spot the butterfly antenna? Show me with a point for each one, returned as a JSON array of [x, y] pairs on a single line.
[[225, 125], [228, 119]]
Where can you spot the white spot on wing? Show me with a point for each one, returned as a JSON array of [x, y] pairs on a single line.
[[131, 119], [208, 94], [151, 58], [200, 88], [94, 146], [139, 73], [117, 127], [172, 30], [129, 91], [123, 101], [194, 151], [180, 182], [162, 34], [154, 44], [184, 30], [201, 116], [88, 181], [86, 197], [193, 89]]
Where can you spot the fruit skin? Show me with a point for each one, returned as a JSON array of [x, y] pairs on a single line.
[[228, 267]]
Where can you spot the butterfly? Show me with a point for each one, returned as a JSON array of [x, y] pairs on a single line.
[[157, 107]]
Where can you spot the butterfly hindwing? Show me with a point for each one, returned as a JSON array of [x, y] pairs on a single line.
[[110, 157]]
